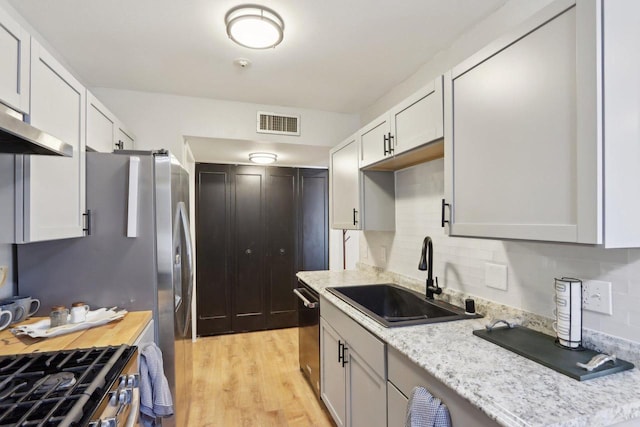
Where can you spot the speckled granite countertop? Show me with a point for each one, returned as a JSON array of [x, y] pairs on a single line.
[[509, 388]]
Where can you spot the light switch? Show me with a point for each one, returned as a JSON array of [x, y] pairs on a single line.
[[495, 276]]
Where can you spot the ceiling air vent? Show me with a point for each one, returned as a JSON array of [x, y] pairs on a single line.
[[281, 124]]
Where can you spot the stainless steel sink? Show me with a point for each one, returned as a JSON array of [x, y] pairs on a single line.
[[391, 305]]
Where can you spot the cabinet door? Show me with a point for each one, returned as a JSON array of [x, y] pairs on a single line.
[[332, 374], [53, 187], [367, 394], [516, 164], [418, 119], [101, 125], [124, 139], [14, 68], [396, 406], [374, 141], [282, 233], [249, 226], [345, 186]]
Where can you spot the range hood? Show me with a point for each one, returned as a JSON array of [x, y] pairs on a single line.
[[18, 137]]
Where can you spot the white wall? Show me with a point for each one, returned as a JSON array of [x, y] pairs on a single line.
[[161, 120], [498, 23], [532, 266], [7, 288]]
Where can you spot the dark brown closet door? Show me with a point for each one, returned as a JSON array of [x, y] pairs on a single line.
[[249, 289], [281, 242], [313, 220], [214, 256]]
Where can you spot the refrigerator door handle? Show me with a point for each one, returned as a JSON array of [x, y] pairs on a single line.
[[184, 222]]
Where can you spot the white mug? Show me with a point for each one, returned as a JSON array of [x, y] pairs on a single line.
[[79, 312], [7, 316]]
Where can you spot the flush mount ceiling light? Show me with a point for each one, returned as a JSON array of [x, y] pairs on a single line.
[[254, 26], [263, 158]]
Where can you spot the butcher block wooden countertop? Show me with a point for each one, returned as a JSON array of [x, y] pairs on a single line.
[[124, 331]]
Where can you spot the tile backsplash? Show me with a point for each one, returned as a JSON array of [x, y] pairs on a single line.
[[531, 266]]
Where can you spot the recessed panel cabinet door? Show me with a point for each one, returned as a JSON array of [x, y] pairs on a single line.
[[367, 399], [54, 187], [332, 374], [101, 125], [14, 64], [375, 141], [512, 149], [345, 186]]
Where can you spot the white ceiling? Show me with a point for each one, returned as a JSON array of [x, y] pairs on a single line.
[[214, 150], [337, 55]]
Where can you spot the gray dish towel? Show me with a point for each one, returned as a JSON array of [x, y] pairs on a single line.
[[155, 395], [424, 410]]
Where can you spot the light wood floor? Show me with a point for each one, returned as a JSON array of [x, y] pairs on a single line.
[[252, 379]]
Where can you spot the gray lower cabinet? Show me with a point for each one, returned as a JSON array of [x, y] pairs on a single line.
[[352, 373], [404, 375]]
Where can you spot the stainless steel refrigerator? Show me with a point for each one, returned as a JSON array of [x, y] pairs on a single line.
[[138, 255]]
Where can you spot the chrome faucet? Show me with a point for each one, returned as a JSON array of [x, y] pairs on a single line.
[[426, 263]]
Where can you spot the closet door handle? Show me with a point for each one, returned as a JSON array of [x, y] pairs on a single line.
[[281, 251], [248, 251]]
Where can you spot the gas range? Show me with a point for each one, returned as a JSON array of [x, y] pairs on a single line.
[[84, 387]]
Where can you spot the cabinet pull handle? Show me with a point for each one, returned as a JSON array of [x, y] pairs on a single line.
[[340, 355], [87, 217], [385, 139], [390, 139], [445, 220], [355, 212], [120, 145], [344, 359]]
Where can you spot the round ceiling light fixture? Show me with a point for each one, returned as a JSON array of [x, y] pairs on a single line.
[[254, 26], [263, 158]]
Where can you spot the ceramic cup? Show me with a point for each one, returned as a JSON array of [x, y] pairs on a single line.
[[17, 312], [79, 312], [5, 318], [29, 306]]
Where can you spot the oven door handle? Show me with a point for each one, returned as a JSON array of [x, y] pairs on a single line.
[[305, 301]]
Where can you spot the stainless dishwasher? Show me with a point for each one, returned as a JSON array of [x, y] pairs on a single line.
[[309, 334]]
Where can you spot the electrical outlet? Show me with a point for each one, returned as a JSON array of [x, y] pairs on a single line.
[[4, 270], [495, 275], [596, 296]]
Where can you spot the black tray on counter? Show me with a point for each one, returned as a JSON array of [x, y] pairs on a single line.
[[542, 348]]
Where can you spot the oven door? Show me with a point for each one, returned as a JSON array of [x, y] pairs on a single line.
[[309, 334]]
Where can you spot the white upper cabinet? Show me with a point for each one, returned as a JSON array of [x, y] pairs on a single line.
[[14, 64], [101, 126], [52, 189], [524, 122], [359, 200], [418, 119], [105, 133], [392, 141], [345, 185], [376, 142], [124, 139]]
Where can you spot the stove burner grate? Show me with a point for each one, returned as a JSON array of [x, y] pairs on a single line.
[[57, 388]]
